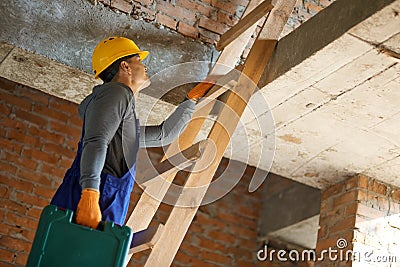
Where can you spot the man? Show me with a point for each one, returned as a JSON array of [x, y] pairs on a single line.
[[101, 178]]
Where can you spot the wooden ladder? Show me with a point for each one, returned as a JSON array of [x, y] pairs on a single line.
[[165, 241]]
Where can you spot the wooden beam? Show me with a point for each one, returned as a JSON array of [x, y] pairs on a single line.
[[325, 27], [232, 53], [181, 217], [249, 20]]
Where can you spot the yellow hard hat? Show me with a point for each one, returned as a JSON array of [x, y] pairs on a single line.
[[111, 49]]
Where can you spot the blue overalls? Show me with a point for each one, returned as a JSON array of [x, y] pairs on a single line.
[[114, 192]]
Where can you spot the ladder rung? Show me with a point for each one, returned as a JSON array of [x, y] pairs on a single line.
[[146, 239]]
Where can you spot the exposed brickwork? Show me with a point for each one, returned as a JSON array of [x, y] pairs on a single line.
[[364, 212], [205, 20], [39, 137]]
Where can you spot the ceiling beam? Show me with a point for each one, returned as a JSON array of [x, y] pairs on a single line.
[[316, 33]]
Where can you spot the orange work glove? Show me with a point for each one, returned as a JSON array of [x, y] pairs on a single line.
[[200, 90], [88, 212]]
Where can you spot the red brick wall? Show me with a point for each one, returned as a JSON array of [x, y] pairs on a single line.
[[364, 212], [39, 134], [205, 20]]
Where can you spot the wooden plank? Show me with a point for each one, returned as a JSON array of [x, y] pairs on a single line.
[[145, 239], [231, 54], [181, 217], [250, 19]]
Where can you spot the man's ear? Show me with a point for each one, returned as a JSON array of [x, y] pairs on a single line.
[[124, 65]]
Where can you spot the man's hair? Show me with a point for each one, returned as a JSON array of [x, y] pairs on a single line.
[[108, 74]]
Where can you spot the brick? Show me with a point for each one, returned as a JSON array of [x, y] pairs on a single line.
[[345, 198], [22, 161], [5, 109], [188, 30], [217, 258], [10, 205], [122, 5], [145, 2], [17, 232], [52, 171], [205, 10], [106, 2], [176, 12], [19, 137], [363, 181], [45, 135], [146, 13], [29, 117], [211, 245], [243, 232], [237, 220], [378, 187], [11, 146], [343, 225], [34, 177], [58, 150], [40, 156], [14, 124], [225, 5], [64, 106], [15, 244], [16, 183], [22, 258], [34, 212], [212, 25], [35, 96], [50, 113], [7, 85], [221, 236], [207, 2], [7, 167], [6, 255], [64, 129], [322, 231], [351, 183], [239, 2], [332, 191], [227, 19], [16, 101], [75, 120], [44, 191], [32, 200], [4, 192], [203, 219], [249, 212], [351, 209], [396, 194]]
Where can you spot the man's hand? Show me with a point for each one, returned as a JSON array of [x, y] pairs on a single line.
[[200, 90], [88, 212]]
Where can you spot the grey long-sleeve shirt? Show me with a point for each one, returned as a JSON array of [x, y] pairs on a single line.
[[110, 132]]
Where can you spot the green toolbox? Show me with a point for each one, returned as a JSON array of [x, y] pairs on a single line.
[[61, 243]]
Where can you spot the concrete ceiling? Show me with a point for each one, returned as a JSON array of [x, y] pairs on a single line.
[[335, 114]]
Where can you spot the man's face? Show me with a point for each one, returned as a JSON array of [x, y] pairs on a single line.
[[139, 72]]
